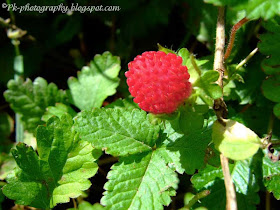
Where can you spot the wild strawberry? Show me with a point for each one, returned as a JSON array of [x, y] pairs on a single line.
[[158, 81]]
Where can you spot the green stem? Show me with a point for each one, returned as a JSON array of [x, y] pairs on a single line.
[[19, 71], [197, 197], [12, 15], [247, 58]]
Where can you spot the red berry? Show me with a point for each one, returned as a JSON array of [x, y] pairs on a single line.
[[158, 81]]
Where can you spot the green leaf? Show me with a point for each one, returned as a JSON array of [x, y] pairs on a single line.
[[164, 49], [123, 103], [271, 88], [31, 99], [57, 110], [276, 110], [269, 45], [208, 85], [191, 117], [6, 128], [271, 176], [185, 54], [235, 140], [7, 165], [117, 131], [245, 182], [84, 205], [96, 82], [254, 8], [59, 172], [190, 149], [140, 181]]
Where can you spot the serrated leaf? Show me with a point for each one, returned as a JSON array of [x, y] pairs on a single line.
[[31, 99], [95, 82], [269, 46], [140, 181], [235, 140], [246, 186], [118, 131], [58, 110], [59, 172], [271, 88], [271, 176], [191, 150]]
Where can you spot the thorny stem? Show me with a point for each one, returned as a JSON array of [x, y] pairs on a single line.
[[232, 36], [220, 107], [251, 54]]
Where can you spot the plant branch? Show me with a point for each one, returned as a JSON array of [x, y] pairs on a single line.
[[220, 106], [232, 36], [251, 54], [230, 191]]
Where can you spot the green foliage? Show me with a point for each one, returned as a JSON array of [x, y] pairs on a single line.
[[271, 88], [31, 99], [117, 131], [149, 149], [140, 182], [96, 82], [254, 8], [271, 176], [58, 110], [60, 170], [243, 176], [234, 140], [208, 86], [123, 103], [269, 45], [191, 149], [84, 205], [185, 54]]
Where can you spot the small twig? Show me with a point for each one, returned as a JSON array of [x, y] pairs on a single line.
[[232, 36], [230, 191], [196, 198], [247, 58]]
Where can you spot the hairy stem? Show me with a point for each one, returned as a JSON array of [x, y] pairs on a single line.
[[232, 36], [220, 107]]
